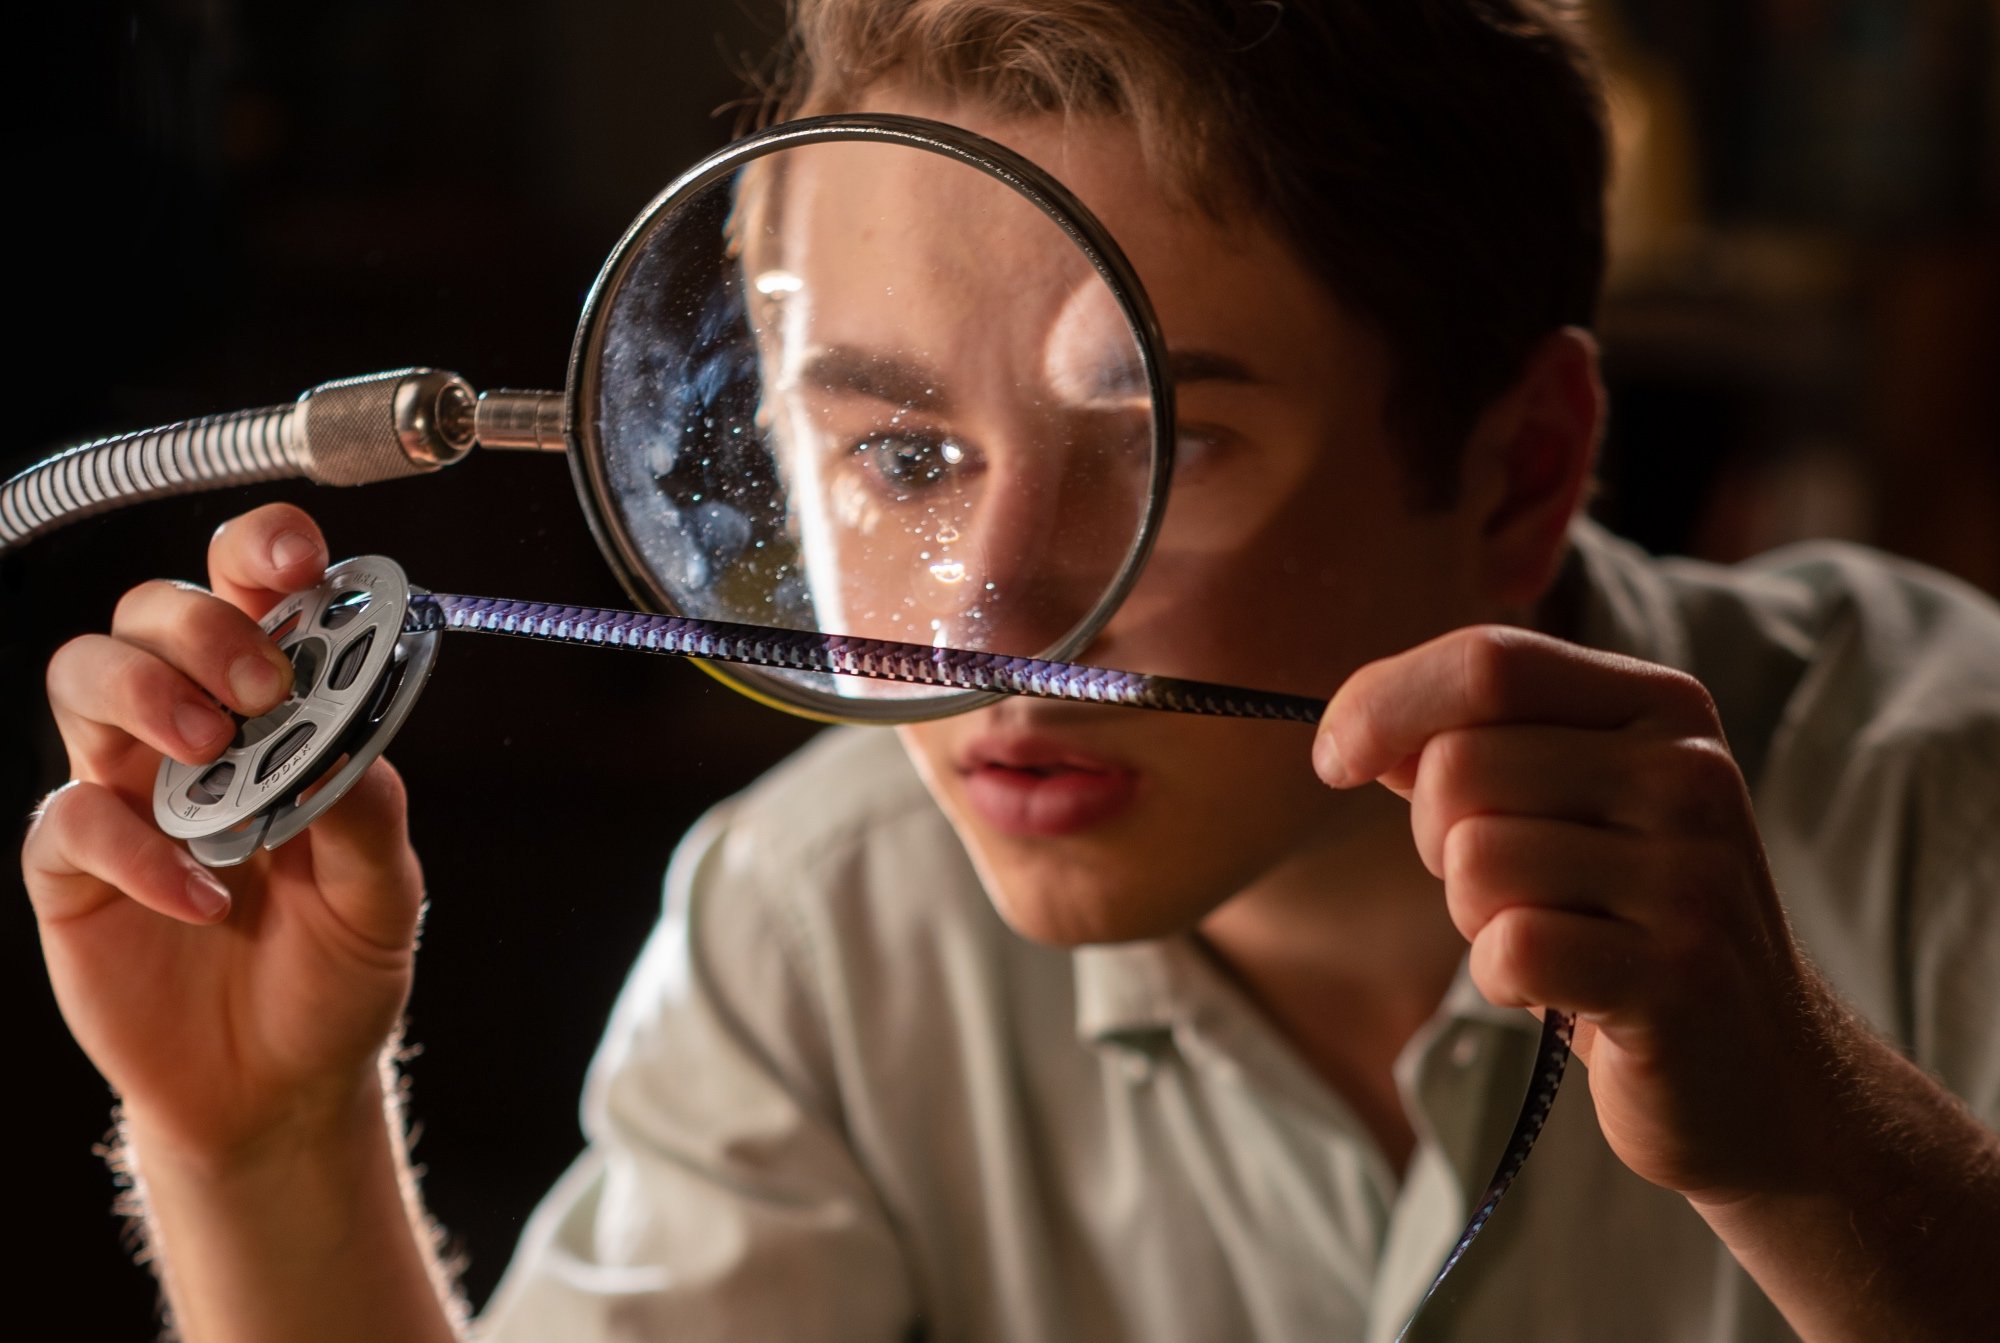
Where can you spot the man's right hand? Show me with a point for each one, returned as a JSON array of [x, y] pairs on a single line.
[[231, 1011]]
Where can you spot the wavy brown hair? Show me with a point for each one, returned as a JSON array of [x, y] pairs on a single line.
[[1439, 164]]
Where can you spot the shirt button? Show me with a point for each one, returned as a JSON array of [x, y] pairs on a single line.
[[1138, 1067], [1465, 1050]]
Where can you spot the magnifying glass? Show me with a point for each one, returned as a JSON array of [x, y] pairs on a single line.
[[876, 377]]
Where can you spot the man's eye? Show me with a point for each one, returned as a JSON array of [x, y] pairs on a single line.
[[910, 463], [1198, 449]]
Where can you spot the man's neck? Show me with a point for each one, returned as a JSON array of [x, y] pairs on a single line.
[[1347, 950]]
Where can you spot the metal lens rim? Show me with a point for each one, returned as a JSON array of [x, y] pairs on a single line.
[[1049, 196]]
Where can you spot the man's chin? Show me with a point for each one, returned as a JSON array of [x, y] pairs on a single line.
[[1075, 912]]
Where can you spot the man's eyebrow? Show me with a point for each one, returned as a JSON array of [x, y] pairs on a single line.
[[853, 371], [1128, 378]]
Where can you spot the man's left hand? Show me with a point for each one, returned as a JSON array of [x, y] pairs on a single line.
[[1598, 850]]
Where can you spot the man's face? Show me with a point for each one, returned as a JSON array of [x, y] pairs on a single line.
[[959, 406], [1287, 557]]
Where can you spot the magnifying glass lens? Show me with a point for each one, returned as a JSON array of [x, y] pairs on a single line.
[[861, 387]]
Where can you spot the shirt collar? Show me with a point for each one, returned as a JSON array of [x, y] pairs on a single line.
[[1681, 613], [1464, 1002], [1609, 596], [1128, 991]]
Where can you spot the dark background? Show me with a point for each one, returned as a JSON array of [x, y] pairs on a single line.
[[225, 204], [218, 205]]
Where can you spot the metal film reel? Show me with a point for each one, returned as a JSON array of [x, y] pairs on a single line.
[[356, 671]]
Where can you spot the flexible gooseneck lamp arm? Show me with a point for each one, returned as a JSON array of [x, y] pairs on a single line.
[[354, 431]]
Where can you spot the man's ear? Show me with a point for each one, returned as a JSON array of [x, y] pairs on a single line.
[[1528, 462]]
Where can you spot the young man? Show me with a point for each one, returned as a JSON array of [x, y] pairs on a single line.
[[1071, 1022]]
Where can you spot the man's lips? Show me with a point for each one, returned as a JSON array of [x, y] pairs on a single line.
[[1034, 787]]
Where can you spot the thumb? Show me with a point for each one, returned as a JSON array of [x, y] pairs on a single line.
[[362, 862]]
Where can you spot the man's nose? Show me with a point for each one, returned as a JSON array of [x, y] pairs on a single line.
[[1047, 541]]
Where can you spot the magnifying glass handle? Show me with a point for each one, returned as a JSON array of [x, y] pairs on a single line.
[[352, 431]]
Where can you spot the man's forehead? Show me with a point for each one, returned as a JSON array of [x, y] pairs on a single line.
[[898, 274], [1237, 307], [890, 204]]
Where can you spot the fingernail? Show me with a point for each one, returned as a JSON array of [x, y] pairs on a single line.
[[290, 548], [1327, 762], [255, 681], [209, 896], [199, 725]]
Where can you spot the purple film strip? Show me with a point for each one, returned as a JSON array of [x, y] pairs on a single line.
[[1551, 1060], [882, 659]]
